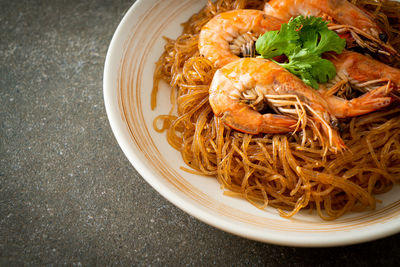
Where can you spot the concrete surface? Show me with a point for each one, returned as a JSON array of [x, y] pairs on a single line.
[[68, 195]]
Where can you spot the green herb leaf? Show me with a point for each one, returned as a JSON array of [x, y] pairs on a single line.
[[276, 43], [303, 40], [301, 63], [323, 71], [323, 41]]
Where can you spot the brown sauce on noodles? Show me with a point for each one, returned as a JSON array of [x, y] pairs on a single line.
[[276, 170]]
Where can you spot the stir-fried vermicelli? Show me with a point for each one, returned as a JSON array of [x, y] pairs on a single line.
[[289, 171]]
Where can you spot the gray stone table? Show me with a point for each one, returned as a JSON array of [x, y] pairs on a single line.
[[68, 195]]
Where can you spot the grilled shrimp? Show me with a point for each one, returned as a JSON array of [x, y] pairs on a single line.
[[232, 34], [340, 10], [361, 25], [362, 69], [366, 75], [245, 78]]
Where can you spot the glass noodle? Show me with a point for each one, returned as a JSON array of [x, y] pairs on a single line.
[[281, 171]]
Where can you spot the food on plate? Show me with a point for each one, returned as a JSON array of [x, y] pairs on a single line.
[[344, 16], [283, 111], [239, 89], [341, 11]]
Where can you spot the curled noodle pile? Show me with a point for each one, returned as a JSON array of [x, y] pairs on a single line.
[[281, 171]]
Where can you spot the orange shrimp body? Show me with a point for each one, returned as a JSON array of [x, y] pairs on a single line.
[[361, 71], [227, 88], [341, 11], [232, 82], [218, 35]]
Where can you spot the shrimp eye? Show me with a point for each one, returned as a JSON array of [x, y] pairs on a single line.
[[335, 124], [383, 37]]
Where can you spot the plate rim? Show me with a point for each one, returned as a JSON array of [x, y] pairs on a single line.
[[205, 214]]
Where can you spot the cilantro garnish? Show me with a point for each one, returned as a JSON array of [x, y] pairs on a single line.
[[303, 40]]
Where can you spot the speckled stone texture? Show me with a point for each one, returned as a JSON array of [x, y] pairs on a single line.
[[68, 195]]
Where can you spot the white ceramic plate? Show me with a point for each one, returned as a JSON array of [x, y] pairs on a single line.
[[128, 78]]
